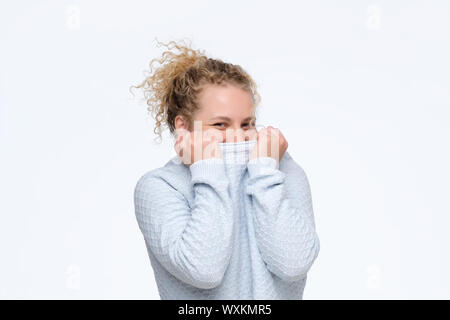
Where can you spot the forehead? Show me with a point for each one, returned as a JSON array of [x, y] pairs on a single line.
[[228, 100]]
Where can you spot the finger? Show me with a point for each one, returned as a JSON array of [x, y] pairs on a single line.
[[177, 148], [178, 140], [177, 145], [275, 132], [263, 131], [251, 135], [198, 140], [210, 148]]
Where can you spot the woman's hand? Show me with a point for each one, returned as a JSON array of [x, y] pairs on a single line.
[[192, 147], [270, 143]]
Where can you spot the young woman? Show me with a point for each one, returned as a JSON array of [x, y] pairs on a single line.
[[230, 216]]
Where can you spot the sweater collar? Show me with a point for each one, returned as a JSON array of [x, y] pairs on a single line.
[[236, 153], [233, 153]]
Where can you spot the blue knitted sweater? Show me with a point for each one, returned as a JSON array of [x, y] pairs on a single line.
[[228, 228]]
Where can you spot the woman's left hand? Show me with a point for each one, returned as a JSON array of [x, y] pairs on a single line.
[[270, 143]]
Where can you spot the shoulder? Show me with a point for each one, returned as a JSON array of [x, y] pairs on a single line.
[[293, 171], [173, 175]]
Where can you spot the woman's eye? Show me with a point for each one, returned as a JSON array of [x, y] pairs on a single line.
[[219, 124]]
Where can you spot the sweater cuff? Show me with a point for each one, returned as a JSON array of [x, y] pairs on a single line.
[[211, 168], [262, 166]]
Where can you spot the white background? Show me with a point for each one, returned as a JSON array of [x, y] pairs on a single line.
[[359, 88]]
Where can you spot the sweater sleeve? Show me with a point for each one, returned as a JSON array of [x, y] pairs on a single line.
[[193, 244], [283, 217]]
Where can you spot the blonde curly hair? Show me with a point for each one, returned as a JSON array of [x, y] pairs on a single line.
[[172, 88]]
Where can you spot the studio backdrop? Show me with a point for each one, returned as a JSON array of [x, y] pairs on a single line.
[[360, 89]]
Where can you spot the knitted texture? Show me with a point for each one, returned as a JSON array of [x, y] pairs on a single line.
[[228, 228]]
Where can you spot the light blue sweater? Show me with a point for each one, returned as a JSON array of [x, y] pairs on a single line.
[[228, 228]]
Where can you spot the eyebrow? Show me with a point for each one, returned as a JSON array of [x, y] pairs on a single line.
[[228, 119]]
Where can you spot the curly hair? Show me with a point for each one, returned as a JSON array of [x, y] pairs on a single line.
[[172, 89]]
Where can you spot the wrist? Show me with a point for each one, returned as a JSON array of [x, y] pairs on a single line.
[[208, 167], [262, 165]]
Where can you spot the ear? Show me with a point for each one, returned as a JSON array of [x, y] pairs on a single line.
[[181, 126], [180, 123]]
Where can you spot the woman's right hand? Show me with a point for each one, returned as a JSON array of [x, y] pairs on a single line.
[[192, 147]]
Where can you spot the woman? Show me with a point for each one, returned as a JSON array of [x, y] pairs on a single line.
[[230, 216]]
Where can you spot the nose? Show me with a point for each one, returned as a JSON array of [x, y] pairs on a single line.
[[237, 135]]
